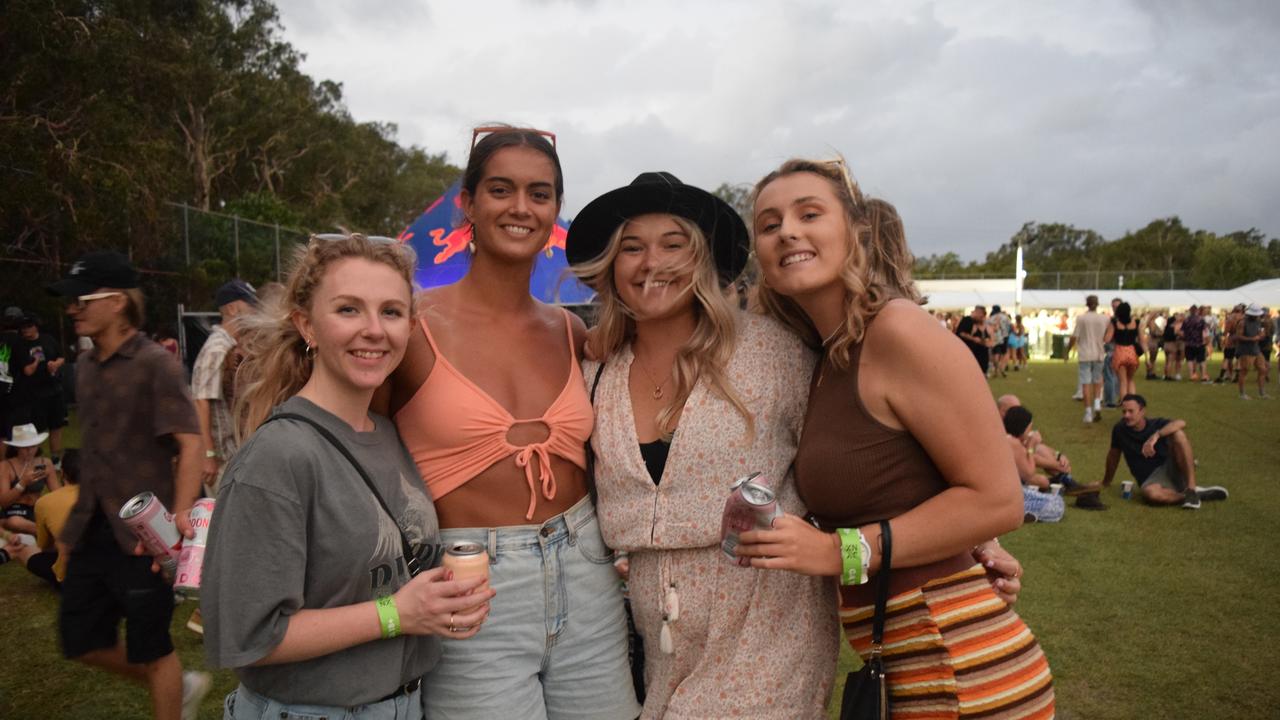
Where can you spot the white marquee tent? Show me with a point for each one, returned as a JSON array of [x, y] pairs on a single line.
[[964, 294]]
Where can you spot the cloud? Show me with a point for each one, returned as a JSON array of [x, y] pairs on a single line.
[[972, 117]]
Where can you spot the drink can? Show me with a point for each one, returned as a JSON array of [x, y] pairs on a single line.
[[1055, 488], [191, 559], [152, 523], [467, 560], [752, 505], [1126, 489]]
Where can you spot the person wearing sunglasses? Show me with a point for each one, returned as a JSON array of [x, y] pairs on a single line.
[[694, 394], [136, 418], [491, 403], [901, 427]]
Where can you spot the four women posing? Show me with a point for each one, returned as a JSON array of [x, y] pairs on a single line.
[[486, 392]]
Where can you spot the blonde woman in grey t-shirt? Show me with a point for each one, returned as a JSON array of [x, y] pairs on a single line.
[[306, 591]]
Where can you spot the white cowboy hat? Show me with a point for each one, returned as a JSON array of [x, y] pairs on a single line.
[[26, 436]]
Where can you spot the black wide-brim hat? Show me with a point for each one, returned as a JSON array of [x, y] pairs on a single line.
[[662, 192]]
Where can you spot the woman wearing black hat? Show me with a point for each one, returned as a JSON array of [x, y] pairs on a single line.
[[695, 394], [900, 427]]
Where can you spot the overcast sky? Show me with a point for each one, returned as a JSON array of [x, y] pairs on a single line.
[[972, 116]]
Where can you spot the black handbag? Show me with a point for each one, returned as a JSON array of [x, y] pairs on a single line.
[[866, 692]]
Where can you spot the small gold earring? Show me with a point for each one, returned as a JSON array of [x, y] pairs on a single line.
[[472, 246], [548, 251]]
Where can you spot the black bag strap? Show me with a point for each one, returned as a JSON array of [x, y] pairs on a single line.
[[591, 456], [410, 558], [882, 587]]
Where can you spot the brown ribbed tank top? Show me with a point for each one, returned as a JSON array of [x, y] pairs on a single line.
[[852, 470]]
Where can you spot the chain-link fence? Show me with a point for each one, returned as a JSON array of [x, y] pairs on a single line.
[[202, 250], [1085, 279]]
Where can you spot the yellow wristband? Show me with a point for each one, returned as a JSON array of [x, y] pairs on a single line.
[[388, 616]]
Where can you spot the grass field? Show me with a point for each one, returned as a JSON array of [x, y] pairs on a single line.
[[1143, 612]]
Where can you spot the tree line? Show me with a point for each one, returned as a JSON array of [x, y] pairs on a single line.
[[110, 110]]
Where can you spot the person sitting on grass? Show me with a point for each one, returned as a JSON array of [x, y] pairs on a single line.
[[24, 474], [1055, 464], [1039, 504], [1159, 455], [47, 559]]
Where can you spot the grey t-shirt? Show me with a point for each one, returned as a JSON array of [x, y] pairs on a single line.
[[295, 527]]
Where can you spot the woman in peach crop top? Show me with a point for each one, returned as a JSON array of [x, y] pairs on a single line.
[[492, 405]]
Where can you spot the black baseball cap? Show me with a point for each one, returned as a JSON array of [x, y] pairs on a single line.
[[93, 271], [234, 290]]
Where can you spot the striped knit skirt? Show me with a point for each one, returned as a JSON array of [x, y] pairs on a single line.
[[952, 649]]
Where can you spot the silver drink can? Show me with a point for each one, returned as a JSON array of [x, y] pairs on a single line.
[[152, 523], [191, 559], [752, 505]]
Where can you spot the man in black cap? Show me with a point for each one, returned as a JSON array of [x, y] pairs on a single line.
[[136, 416], [37, 383], [213, 397], [213, 403]]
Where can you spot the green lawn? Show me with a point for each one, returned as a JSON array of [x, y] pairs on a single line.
[[1143, 612]]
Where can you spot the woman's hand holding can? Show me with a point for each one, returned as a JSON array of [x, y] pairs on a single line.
[[431, 604]]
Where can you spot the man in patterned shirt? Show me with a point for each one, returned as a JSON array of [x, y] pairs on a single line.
[[213, 402]]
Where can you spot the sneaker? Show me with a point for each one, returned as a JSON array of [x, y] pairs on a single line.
[[1207, 381], [1190, 500], [1112, 405], [195, 623], [1097, 415], [1088, 415], [1263, 396], [1194, 377], [1151, 376], [1028, 518], [1245, 396], [1178, 377], [1077, 397], [1212, 492], [195, 685], [1168, 379]]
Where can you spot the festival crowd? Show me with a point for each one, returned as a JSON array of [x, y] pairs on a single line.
[[358, 434]]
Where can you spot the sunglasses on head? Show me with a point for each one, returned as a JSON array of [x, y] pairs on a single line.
[[331, 237], [477, 134]]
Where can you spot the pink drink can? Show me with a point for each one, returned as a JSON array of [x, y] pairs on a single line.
[[152, 523], [191, 560], [752, 505]]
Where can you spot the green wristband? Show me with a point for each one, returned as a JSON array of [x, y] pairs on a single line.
[[850, 556], [388, 616]]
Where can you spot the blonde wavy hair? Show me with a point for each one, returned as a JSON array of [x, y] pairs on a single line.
[[276, 364], [877, 264], [705, 355]]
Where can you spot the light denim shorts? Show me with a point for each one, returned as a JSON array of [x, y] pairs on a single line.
[[555, 644], [245, 704], [1090, 372]]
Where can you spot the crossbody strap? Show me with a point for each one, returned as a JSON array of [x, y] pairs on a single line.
[[591, 456], [410, 559], [882, 586]]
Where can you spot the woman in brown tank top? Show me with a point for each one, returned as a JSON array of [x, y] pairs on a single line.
[[900, 426]]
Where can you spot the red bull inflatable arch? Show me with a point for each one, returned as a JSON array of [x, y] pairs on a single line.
[[443, 256]]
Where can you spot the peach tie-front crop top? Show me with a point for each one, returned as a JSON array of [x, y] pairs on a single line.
[[454, 430]]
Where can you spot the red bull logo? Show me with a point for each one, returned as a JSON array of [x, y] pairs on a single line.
[[453, 243]]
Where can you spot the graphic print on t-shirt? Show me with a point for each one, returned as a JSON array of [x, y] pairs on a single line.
[[387, 561]]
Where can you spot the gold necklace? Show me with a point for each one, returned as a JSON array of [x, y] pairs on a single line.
[[657, 386]]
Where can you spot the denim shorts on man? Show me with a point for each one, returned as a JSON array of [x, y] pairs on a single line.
[[1090, 371], [554, 646]]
